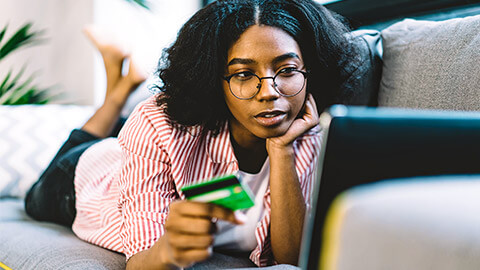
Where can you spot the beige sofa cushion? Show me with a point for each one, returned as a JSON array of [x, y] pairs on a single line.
[[409, 223], [432, 65]]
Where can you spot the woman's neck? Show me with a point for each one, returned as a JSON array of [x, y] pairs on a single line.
[[249, 150]]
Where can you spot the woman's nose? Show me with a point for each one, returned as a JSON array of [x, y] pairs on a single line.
[[267, 89]]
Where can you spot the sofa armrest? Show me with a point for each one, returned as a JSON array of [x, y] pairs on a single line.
[[417, 223]]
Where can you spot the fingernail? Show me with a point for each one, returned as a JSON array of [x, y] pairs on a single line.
[[240, 217]]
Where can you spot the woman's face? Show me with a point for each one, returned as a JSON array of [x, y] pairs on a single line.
[[263, 50]]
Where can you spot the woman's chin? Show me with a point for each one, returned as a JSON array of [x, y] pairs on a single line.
[[278, 131]]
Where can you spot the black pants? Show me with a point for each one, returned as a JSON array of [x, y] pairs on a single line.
[[52, 197]]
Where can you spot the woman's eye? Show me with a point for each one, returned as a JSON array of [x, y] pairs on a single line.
[[287, 71], [243, 75]]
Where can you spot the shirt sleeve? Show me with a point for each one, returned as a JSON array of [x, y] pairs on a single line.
[[146, 184], [308, 152]]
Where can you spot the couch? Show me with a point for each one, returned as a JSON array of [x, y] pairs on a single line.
[[420, 222], [432, 65]]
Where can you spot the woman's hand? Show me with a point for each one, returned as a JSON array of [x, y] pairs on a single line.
[[287, 201], [188, 236], [189, 231], [303, 123]]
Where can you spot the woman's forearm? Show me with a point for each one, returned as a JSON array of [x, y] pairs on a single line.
[[288, 207], [188, 236], [152, 258]]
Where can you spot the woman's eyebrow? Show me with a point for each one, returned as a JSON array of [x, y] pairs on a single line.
[[284, 57], [243, 61], [276, 60]]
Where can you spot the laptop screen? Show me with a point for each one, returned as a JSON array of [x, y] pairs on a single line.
[[365, 145]]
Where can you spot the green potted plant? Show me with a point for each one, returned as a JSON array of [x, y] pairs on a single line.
[[14, 90]]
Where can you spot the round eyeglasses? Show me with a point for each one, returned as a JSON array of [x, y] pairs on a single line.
[[288, 82]]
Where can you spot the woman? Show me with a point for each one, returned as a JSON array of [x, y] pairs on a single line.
[[240, 91]]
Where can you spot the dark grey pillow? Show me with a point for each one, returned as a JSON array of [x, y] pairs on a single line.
[[361, 87], [432, 65]]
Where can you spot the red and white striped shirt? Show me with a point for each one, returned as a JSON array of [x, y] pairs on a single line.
[[124, 188]]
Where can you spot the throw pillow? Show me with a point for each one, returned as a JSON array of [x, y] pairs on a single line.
[[30, 136], [432, 65]]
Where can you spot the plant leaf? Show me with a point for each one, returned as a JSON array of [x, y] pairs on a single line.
[[14, 81], [4, 30], [15, 93], [22, 37], [142, 3], [39, 96], [12, 90], [2, 86]]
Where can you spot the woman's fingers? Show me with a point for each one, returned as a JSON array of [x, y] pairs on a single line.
[[314, 104], [303, 123], [190, 228], [311, 112], [187, 257], [188, 241], [311, 107], [207, 211], [190, 225]]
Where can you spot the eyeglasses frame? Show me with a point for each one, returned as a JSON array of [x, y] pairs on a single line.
[[259, 86]]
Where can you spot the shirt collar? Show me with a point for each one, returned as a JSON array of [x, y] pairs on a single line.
[[219, 148]]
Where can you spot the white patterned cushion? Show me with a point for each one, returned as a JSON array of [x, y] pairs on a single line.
[[30, 136]]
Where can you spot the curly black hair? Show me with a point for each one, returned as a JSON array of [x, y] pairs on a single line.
[[191, 68]]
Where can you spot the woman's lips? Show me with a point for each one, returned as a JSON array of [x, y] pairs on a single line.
[[270, 118]]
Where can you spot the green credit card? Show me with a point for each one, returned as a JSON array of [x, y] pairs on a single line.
[[226, 191]]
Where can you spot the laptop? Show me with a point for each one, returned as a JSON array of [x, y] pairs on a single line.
[[363, 145]]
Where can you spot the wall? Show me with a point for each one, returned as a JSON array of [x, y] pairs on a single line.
[[66, 59], [60, 60], [146, 33]]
